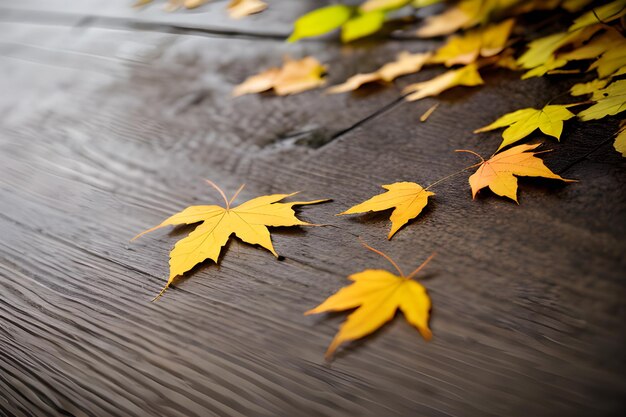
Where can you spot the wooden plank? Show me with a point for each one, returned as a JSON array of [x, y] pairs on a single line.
[[527, 300], [274, 23]]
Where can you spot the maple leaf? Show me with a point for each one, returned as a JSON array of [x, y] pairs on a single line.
[[466, 14], [500, 171], [582, 89], [248, 221], [242, 8], [465, 49], [620, 139], [523, 122], [467, 76], [540, 55], [362, 25], [320, 21], [377, 294], [405, 63], [294, 77], [602, 14], [609, 101], [408, 199], [372, 5]]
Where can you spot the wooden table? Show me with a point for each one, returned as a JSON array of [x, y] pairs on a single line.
[[110, 119]]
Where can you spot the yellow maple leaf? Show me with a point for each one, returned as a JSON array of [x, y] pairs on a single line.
[[408, 199], [465, 49], [620, 139], [466, 14], [612, 60], [582, 89], [607, 46], [405, 63], [541, 53], [467, 76], [602, 14], [248, 221], [242, 8], [453, 19], [609, 101], [500, 171], [523, 122], [377, 294], [294, 77]]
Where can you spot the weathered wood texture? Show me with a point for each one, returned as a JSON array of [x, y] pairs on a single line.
[[105, 131]]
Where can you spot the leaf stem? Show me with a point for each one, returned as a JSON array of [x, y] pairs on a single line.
[[447, 177], [419, 268], [219, 190], [235, 196], [391, 261]]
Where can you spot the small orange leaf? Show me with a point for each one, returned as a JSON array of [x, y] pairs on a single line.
[[499, 173]]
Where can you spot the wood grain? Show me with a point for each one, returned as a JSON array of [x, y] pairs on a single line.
[[104, 132]]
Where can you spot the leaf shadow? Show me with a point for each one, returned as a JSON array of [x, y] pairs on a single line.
[[353, 346]]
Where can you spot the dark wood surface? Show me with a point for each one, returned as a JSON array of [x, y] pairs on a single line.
[[107, 127]]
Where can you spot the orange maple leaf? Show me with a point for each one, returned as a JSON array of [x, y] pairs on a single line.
[[500, 172]]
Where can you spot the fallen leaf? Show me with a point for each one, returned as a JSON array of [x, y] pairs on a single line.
[[453, 19], [467, 76], [242, 8], [465, 14], [320, 21], [294, 77], [408, 199], [523, 122], [372, 5], [500, 171], [362, 25], [192, 4], [574, 5], [541, 52], [602, 14], [610, 100], [620, 139], [582, 89], [611, 60], [465, 49], [248, 221], [405, 63], [258, 83], [377, 294]]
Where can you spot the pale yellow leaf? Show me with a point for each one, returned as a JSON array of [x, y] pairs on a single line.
[[466, 48], [405, 63], [610, 100], [293, 77], [242, 8], [466, 76], [372, 5]]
